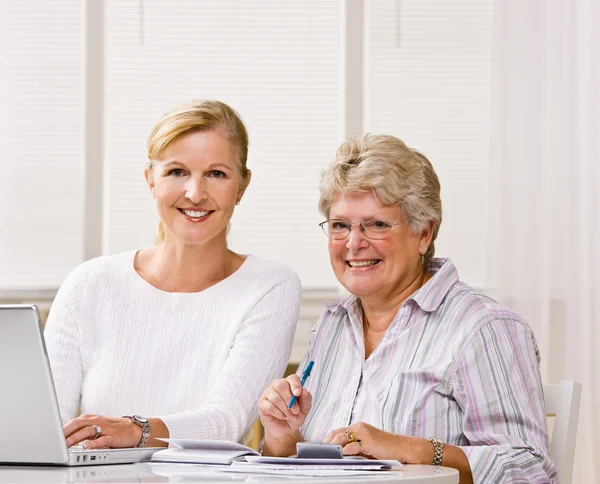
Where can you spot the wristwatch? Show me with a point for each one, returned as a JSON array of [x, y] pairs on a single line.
[[438, 450], [145, 426]]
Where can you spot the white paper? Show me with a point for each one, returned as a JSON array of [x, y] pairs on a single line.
[[311, 470], [208, 444], [345, 463], [201, 451]]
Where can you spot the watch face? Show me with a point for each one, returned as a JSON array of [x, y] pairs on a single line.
[[141, 420]]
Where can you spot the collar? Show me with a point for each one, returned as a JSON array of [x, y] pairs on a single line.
[[432, 294], [429, 297]]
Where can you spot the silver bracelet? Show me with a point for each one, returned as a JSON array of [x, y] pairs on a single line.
[[438, 451], [143, 423]]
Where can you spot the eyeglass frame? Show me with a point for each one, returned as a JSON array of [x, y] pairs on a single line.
[[389, 225]]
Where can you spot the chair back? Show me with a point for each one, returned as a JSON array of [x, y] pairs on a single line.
[[562, 403]]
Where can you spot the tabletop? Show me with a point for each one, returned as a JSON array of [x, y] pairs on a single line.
[[187, 473]]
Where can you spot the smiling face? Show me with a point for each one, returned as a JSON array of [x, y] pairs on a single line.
[[375, 269], [196, 183]]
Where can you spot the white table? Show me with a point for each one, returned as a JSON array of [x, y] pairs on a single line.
[[182, 473]]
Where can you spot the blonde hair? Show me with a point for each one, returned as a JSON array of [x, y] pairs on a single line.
[[199, 115], [396, 174]]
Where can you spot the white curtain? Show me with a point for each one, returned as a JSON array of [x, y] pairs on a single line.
[[544, 258]]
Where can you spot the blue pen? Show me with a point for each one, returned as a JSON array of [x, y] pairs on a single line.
[[305, 375]]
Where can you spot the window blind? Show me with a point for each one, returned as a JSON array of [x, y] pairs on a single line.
[[428, 81], [278, 64], [40, 142]]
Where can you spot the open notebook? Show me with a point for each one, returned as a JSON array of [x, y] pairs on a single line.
[[239, 458], [202, 451]]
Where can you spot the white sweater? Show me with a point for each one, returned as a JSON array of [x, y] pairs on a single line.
[[199, 361]]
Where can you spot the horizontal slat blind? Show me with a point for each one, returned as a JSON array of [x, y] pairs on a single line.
[[428, 82], [278, 64], [41, 80]]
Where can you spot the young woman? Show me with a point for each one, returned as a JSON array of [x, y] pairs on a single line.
[[169, 340]]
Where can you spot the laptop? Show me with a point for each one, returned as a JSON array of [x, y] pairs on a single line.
[[30, 423]]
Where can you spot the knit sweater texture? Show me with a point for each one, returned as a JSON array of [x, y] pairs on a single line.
[[199, 361]]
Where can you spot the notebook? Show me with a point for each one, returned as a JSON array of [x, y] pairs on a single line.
[[237, 458], [30, 423], [191, 451], [348, 462], [319, 455]]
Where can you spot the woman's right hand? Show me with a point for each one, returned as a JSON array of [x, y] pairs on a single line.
[[280, 422]]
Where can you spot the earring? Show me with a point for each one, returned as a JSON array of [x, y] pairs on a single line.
[[422, 259], [237, 203]]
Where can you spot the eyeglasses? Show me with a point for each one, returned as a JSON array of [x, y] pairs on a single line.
[[338, 229]]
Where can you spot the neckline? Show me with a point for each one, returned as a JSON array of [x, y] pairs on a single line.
[[143, 283]]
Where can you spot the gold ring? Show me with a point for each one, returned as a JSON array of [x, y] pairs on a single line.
[[350, 435]]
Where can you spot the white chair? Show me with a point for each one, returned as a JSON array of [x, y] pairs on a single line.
[[562, 403]]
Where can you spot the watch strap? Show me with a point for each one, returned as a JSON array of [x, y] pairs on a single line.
[[143, 423]]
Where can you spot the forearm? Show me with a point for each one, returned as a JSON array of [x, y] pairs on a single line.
[[504, 421], [63, 347], [212, 421], [497, 464], [281, 447], [422, 452], [158, 430]]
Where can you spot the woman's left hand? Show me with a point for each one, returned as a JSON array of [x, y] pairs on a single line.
[[373, 443], [102, 432]]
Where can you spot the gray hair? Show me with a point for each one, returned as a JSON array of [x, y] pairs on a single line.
[[397, 175]]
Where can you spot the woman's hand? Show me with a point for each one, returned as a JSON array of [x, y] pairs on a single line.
[[374, 443], [277, 419], [102, 432], [281, 423]]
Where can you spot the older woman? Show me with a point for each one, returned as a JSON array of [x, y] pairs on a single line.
[[168, 341], [414, 365]]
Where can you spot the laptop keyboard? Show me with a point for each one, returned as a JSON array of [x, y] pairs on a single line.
[[77, 448]]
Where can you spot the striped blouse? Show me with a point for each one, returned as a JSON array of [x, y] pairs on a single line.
[[453, 364]]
